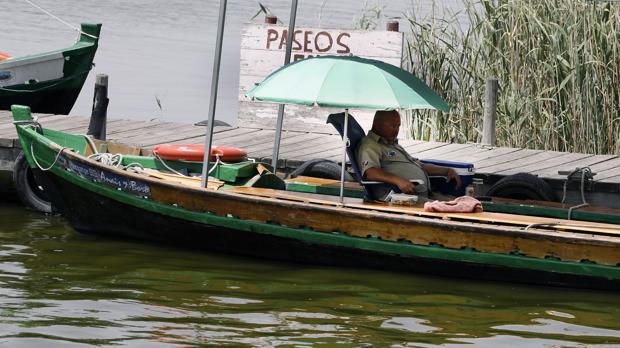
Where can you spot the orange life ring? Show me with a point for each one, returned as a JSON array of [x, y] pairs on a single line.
[[193, 152], [4, 56]]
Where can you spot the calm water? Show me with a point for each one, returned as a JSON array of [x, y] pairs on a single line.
[[59, 288], [162, 49]]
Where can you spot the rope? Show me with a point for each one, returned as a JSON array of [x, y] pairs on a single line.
[[115, 160], [109, 159], [91, 143], [585, 171], [217, 161], [550, 224], [34, 158], [134, 167], [59, 19], [33, 123], [167, 166]]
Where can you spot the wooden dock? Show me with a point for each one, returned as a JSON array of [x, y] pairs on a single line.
[[491, 163]]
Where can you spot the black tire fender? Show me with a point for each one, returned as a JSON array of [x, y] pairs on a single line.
[[29, 191], [321, 168], [523, 186]]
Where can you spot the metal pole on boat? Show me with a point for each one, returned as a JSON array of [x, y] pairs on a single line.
[[287, 59], [213, 98], [345, 144]]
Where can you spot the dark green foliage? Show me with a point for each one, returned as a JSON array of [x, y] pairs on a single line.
[[557, 62]]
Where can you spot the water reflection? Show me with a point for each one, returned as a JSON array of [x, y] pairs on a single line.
[[556, 327], [62, 289], [408, 324]]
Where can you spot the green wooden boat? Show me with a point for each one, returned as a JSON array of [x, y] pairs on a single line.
[[137, 197], [49, 82]]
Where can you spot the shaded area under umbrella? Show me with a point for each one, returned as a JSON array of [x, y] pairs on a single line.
[[346, 82]]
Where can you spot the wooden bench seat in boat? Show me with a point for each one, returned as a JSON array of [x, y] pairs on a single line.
[[484, 217], [358, 203]]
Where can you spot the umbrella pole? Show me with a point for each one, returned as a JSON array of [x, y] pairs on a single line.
[[345, 143], [287, 59], [213, 99]]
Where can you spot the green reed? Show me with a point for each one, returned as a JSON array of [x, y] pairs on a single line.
[[557, 62]]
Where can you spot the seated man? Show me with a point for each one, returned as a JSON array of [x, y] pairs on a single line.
[[381, 158]]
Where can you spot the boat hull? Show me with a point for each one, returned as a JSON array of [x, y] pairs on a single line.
[[49, 82], [92, 213], [102, 199], [57, 100]]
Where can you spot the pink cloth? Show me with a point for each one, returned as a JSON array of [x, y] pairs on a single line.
[[464, 204]]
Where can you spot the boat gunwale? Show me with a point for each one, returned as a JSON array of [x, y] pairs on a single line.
[[79, 45]]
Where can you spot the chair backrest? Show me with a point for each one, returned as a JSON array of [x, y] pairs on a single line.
[[355, 134]]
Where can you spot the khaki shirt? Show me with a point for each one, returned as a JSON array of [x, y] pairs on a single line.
[[374, 152]]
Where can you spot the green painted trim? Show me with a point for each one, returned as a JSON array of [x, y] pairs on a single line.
[[153, 163], [235, 171], [332, 191], [21, 113], [84, 43]]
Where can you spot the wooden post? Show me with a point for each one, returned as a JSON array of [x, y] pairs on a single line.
[[97, 125], [490, 112], [392, 26]]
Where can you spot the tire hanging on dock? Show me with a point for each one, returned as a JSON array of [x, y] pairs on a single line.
[[320, 168], [27, 188], [523, 186]]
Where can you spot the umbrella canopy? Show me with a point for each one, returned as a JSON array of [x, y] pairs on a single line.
[[346, 82]]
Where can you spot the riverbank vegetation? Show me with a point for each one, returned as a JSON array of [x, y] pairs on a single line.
[[557, 62]]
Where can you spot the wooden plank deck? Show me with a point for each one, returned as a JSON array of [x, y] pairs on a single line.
[[297, 146]]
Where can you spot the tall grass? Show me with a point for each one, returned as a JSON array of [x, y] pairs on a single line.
[[557, 62]]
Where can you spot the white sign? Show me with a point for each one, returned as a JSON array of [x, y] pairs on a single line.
[[262, 52]]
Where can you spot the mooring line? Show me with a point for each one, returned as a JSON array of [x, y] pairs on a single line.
[[59, 19]]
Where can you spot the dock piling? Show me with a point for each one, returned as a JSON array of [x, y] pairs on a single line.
[[98, 117], [392, 25], [490, 112]]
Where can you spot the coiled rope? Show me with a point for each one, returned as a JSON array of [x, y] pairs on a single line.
[[110, 159]]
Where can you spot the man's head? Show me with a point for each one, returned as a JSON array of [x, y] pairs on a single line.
[[386, 124]]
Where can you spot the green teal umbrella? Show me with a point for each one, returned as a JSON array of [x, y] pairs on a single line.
[[346, 82]]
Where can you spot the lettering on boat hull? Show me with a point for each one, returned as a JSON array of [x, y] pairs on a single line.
[[108, 179]]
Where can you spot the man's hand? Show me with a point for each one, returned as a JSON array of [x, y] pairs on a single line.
[[378, 174], [405, 185], [453, 176], [449, 173]]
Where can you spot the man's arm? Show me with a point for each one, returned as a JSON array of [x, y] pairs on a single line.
[[448, 172], [369, 159], [377, 174]]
